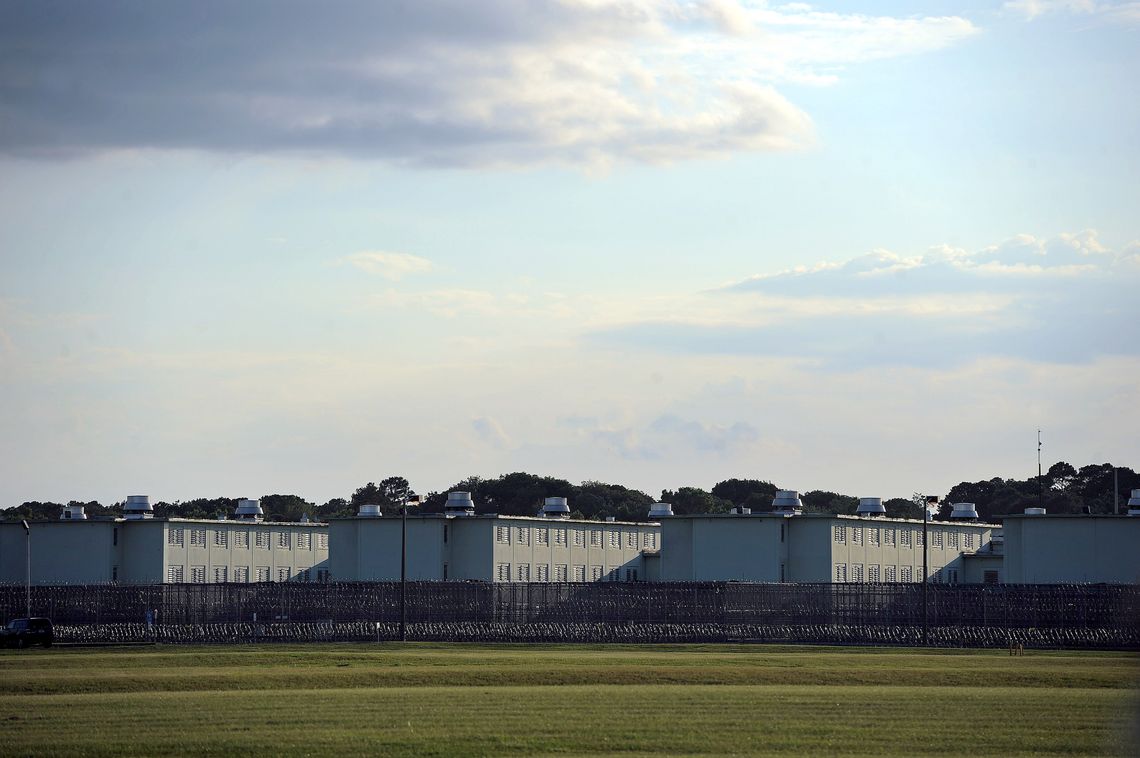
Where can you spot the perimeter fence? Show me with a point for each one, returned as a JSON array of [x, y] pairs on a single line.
[[1088, 615]]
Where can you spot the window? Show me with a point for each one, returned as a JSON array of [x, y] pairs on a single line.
[[221, 538], [990, 577], [174, 574], [936, 539], [889, 537], [261, 540], [523, 572], [503, 535], [323, 574], [596, 573], [889, 571], [873, 537], [241, 540], [176, 537], [504, 572], [615, 539], [918, 538], [263, 573], [323, 540], [653, 539], [841, 537], [907, 574], [873, 573], [856, 535], [197, 538], [283, 540], [631, 539], [241, 574], [952, 576], [631, 575], [305, 541], [560, 572], [115, 535], [282, 574], [953, 538], [857, 572], [543, 569], [522, 536], [305, 576], [840, 570], [904, 537], [968, 539], [560, 537], [595, 538], [579, 538], [645, 540], [613, 574], [542, 536], [579, 573], [198, 574], [220, 573]]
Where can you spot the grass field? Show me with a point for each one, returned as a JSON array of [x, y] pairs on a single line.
[[429, 699]]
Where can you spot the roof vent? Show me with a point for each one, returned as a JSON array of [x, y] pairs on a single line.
[[459, 504], [73, 513], [369, 511], [1134, 503], [660, 510], [249, 510], [870, 507], [610, 519], [555, 507], [1034, 511], [137, 507], [787, 503], [304, 518], [964, 512]]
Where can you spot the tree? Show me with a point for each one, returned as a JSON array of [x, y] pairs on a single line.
[[286, 507], [821, 501], [690, 500], [389, 495], [747, 493]]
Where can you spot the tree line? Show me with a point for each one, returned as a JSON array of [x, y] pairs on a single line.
[[1062, 489]]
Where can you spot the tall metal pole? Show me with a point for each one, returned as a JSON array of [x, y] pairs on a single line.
[[1115, 493], [404, 568], [1040, 490], [28, 556], [925, 569]]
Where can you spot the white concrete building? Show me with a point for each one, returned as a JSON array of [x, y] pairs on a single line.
[[140, 549], [786, 545], [458, 545], [1061, 549]]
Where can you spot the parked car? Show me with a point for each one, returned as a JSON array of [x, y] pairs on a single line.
[[27, 632]]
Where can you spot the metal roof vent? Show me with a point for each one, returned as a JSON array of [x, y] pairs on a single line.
[[555, 507], [459, 504], [369, 511], [73, 513], [1034, 511], [964, 512], [871, 507], [1134, 503], [249, 510], [787, 503], [660, 510], [137, 507], [304, 518]]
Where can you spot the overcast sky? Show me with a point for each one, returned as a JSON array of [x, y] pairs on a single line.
[[295, 247]]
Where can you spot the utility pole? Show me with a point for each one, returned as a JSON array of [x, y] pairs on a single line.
[[404, 567], [1040, 481], [28, 557], [1115, 493], [925, 573]]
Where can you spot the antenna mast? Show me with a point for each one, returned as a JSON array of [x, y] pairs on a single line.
[[1040, 491]]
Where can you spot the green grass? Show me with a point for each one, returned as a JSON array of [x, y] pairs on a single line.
[[630, 700]]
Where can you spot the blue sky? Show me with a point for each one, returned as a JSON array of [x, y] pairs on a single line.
[[271, 247]]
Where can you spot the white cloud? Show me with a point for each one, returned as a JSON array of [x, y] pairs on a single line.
[[390, 265], [490, 432], [1127, 12], [440, 83]]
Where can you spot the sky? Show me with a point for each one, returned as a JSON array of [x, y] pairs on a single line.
[[284, 247]]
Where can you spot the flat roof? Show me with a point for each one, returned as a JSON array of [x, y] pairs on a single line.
[[491, 516], [843, 516], [1046, 516]]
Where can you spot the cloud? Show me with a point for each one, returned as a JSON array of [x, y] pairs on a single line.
[[1128, 12], [667, 435], [390, 265], [1062, 300], [490, 432], [432, 83]]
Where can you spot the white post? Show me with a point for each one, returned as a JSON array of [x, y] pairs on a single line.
[[28, 555]]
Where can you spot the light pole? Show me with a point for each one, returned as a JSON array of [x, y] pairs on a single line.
[[28, 557], [925, 571], [404, 567]]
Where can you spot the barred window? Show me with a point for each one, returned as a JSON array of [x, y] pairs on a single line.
[[174, 574], [631, 539], [305, 541], [241, 574], [841, 572], [579, 538], [907, 574], [283, 541], [615, 538], [323, 574], [953, 537], [542, 536], [263, 573], [595, 538], [543, 571], [904, 537], [198, 574], [241, 540], [873, 573], [504, 572], [918, 538], [522, 536], [305, 575], [560, 572], [889, 537], [841, 539], [176, 537], [857, 572], [579, 573], [220, 574], [220, 538], [856, 535], [282, 574], [968, 538], [596, 573], [645, 539], [198, 538], [890, 573], [503, 535], [323, 541], [560, 538], [523, 572], [873, 537], [261, 540], [936, 539]]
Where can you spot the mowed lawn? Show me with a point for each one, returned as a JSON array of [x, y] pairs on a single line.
[[433, 699]]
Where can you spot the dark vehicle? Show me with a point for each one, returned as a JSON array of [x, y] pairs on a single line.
[[27, 632]]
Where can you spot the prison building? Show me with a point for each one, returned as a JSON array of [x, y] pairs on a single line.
[[141, 549], [458, 545], [1042, 548], [787, 545]]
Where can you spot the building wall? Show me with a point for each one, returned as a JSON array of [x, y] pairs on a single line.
[[869, 550], [1063, 549], [976, 566], [722, 547], [63, 552], [368, 549]]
